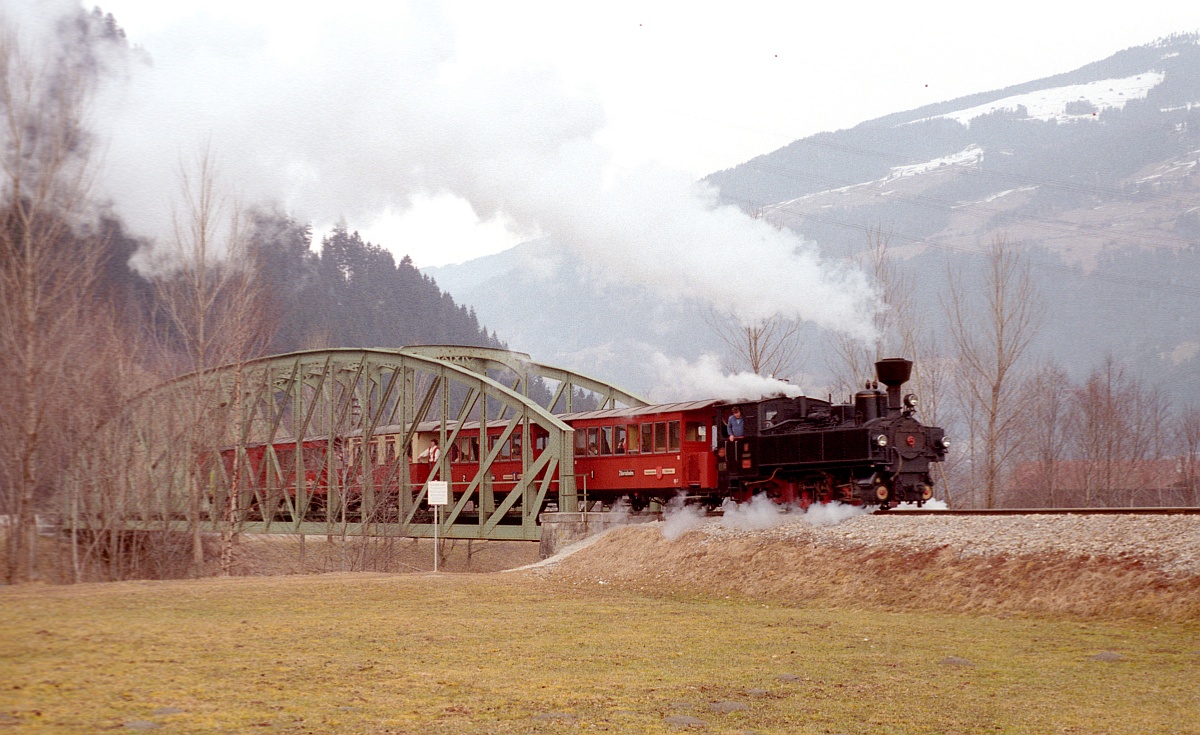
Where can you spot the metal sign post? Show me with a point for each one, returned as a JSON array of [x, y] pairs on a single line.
[[439, 495]]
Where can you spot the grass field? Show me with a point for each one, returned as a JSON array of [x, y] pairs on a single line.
[[521, 653]]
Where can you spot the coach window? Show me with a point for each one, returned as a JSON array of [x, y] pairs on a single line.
[[314, 458], [635, 440], [606, 440], [516, 446], [695, 432], [580, 442], [540, 443], [354, 450], [286, 457], [619, 438], [672, 436], [647, 438], [660, 437], [593, 442]]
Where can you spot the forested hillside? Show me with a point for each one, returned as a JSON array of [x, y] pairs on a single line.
[[91, 316], [349, 292]]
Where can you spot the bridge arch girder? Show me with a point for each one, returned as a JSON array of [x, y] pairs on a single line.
[[351, 397], [484, 359]]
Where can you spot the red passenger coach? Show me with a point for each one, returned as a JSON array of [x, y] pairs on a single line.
[[646, 453]]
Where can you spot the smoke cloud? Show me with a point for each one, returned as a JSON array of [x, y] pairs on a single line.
[[679, 518], [759, 514], [678, 379], [377, 108]]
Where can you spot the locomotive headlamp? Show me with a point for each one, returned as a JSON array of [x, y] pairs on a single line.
[[881, 440], [944, 442], [910, 401]]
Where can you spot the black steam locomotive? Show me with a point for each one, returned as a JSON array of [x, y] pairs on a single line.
[[803, 450]]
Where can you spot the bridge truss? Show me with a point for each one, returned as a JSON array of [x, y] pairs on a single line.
[[318, 442]]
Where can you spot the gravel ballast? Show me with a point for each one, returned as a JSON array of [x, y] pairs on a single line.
[[1168, 543]]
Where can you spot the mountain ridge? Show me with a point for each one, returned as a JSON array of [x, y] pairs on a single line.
[[1107, 209]]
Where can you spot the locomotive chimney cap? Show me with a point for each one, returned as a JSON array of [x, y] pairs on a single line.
[[894, 371]]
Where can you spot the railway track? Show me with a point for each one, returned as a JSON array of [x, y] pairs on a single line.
[[1039, 511]]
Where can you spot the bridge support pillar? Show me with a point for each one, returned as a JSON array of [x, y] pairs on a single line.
[[560, 530]]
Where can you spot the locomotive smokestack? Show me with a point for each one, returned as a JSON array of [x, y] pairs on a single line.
[[893, 372]]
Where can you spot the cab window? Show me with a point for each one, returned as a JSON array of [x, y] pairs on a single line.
[[695, 432]]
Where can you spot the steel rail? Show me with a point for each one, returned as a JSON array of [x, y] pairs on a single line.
[[1038, 511]]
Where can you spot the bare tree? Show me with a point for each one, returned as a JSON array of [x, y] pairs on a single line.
[[1122, 429], [1046, 431], [1103, 402], [895, 325], [1189, 461], [766, 347], [47, 277], [213, 302], [769, 346], [991, 334]]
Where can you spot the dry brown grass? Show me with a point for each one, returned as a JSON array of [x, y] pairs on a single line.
[[528, 653], [279, 554], [640, 558], [624, 636]]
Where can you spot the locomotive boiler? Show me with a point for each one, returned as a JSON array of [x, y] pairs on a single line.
[[802, 450]]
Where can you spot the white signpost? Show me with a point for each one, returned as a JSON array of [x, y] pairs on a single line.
[[439, 495]]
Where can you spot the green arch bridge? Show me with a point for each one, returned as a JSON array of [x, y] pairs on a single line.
[[272, 445]]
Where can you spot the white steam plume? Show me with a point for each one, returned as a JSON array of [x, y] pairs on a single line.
[[678, 379], [762, 513], [759, 514], [679, 518], [377, 107]]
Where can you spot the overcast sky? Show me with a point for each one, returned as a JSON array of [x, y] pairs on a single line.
[[689, 87]]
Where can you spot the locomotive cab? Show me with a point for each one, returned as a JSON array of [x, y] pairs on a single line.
[[871, 451]]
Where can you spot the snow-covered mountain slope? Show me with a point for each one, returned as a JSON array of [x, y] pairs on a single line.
[[1095, 172]]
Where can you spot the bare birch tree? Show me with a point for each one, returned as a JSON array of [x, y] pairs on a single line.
[[991, 326], [211, 299], [895, 323], [1047, 426], [47, 277], [768, 347], [1189, 460], [1122, 430]]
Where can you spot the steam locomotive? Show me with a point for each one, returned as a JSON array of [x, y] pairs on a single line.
[[802, 450]]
